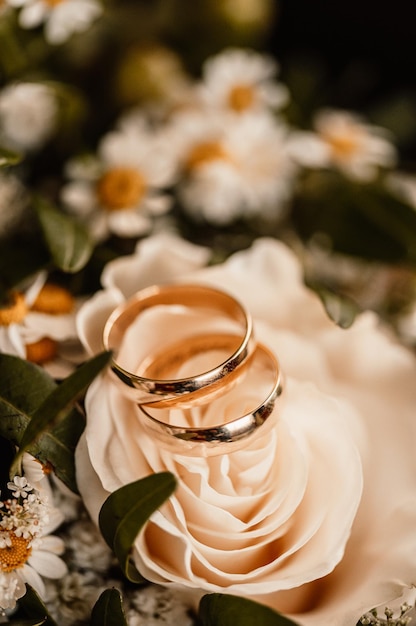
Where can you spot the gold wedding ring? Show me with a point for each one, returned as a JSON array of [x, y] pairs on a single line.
[[152, 382], [222, 437]]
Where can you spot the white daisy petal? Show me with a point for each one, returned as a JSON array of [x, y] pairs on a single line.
[[47, 564], [33, 14], [31, 576], [129, 223]]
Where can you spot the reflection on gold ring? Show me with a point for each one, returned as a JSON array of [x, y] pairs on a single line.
[[223, 437], [149, 387]]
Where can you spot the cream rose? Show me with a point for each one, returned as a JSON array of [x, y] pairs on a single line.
[[318, 518]]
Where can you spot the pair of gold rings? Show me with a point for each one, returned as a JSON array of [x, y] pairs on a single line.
[[185, 387]]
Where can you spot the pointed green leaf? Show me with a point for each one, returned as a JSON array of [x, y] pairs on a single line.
[[108, 610], [362, 220], [339, 308], [24, 387], [21, 257], [68, 242], [31, 606], [60, 400], [126, 511], [7, 157], [57, 447], [217, 609]]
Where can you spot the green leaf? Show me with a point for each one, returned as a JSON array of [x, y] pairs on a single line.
[[21, 257], [339, 308], [32, 607], [108, 610], [69, 243], [126, 511], [58, 403], [24, 387], [219, 609], [363, 220], [7, 157]]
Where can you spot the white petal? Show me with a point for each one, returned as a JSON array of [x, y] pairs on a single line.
[[31, 576], [129, 223], [158, 259], [92, 317], [47, 564], [33, 14]]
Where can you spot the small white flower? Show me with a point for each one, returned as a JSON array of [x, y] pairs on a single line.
[[233, 167], [19, 487], [28, 114], [12, 588], [122, 190], [62, 18], [241, 80], [345, 141]]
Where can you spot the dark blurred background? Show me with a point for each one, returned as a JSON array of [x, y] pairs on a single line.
[[357, 54]]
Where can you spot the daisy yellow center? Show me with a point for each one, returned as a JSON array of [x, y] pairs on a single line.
[[14, 311], [345, 145], [121, 188], [241, 98], [53, 300], [41, 351], [14, 556], [206, 152]]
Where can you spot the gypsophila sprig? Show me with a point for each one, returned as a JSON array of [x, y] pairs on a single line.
[[389, 618]]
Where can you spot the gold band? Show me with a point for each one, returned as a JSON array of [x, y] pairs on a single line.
[[221, 438], [150, 387]]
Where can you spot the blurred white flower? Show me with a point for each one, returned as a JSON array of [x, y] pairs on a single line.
[[403, 186], [62, 18], [241, 80], [232, 166], [27, 550], [13, 200], [39, 325], [28, 114], [345, 141], [88, 547], [122, 190]]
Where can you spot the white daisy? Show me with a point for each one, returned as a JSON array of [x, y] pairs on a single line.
[[38, 324], [232, 166], [27, 550], [122, 190], [240, 80], [343, 140], [62, 18], [28, 114]]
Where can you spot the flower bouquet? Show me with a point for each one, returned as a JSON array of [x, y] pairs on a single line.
[[207, 324]]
